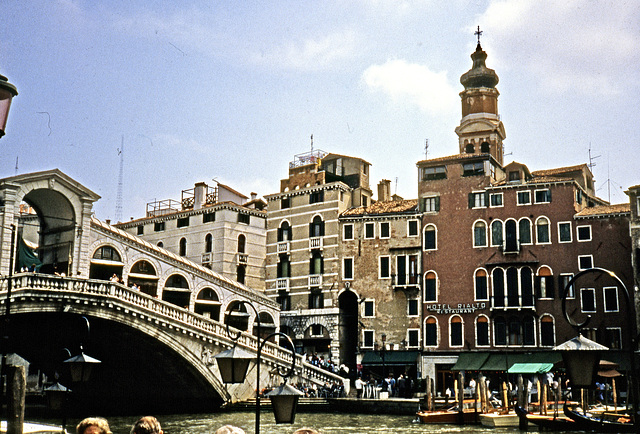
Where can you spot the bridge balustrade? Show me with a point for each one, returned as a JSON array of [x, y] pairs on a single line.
[[34, 281]]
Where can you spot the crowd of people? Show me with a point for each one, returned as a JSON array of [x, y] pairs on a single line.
[[402, 387], [150, 425], [327, 364]]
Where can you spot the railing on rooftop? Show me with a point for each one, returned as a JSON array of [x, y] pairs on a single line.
[[311, 157], [162, 207]]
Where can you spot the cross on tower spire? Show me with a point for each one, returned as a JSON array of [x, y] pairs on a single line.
[[478, 33]]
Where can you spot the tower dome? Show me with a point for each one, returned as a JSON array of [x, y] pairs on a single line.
[[479, 75]]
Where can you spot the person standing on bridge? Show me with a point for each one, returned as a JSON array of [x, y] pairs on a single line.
[[93, 425], [147, 425]]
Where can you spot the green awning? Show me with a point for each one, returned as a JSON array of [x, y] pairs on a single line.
[[374, 358], [470, 361], [530, 368]]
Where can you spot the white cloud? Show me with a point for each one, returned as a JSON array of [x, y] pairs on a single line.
[[578, 45], [407, 83], [311, 54]]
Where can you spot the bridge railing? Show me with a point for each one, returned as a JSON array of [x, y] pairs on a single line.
[[35, 281]]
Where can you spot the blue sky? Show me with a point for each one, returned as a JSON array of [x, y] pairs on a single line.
[[233, 90]]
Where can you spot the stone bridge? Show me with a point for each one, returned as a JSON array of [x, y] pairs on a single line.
[[155, 356]]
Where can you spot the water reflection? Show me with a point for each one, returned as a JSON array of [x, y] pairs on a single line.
[[326, 423]]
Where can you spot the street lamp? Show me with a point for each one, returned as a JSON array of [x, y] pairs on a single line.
[[234, 363], [7, 92], [582, 356]]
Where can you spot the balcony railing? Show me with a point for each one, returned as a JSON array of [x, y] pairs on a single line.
[[283, 247], [282, 283], [315, 243], [243, 259], [206, 258], [315, 280]]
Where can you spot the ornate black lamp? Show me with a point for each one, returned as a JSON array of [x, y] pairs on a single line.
[[581, 358], [234, 363], [7, 92], [81, 367]]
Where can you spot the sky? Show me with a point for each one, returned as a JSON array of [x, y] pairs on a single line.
[[230, 91]]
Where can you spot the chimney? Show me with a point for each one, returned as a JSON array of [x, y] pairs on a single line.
[[200, 195], [254, 195], [384, 191]]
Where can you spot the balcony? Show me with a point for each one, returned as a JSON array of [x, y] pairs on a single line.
[[206, 258], [315, 280], [283, 247], [315, 243], [243, 259], [282, 283]]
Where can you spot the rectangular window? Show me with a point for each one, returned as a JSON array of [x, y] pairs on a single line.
[[430, 288], [547, 332], [412, 307], [384, 267], [141, 230], [285, 203], [369, 309], [613, 338], [500, 333], [413, 338], [158, 226], [473, 169], [183, 222], [514, 176], [209, 217], [478, 200], [412, 229], [564, 232], [438, 172], [455, 334], [369, 230], [347, 268], [430, 242], [495, 200], [284, 300], [316, 197], [584, 233], [585, 262], [431, 204], [564, 280], [524, 197], [316, 330], [244, 218], [347, 232], [588, 300], [384, 230], [482, 336], [368, 338], [316, 299], [543, 196], [610, 295]]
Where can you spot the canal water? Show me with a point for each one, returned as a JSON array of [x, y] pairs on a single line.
[[325, 423]]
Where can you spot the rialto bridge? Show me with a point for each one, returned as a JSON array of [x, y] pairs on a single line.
[[156, 340]]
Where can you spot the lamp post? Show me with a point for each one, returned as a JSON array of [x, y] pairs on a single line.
[[582, 356], [234, 363], [7, 92]]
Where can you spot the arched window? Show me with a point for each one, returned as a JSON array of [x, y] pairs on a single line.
[[431, 332], [105, 263], [481, 285], [524, 227], [241, 272], [430, 287], [544, 283], [480, 234], [143, 275], [469, 149], [316, 227], [542, 231], [485, 147], [526, 286], [208, 243], [176, 291], [430, 237], [511, 236], [496, 233], [285, 232], [208, 304], [177, 281], [455, 331], [107, 253], [482, 331], [497, 278], [242, 241], [547, 331], [183, 247]]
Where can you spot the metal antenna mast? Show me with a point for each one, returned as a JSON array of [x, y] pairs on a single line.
[[16, 165], [120, 177], [426, 149]]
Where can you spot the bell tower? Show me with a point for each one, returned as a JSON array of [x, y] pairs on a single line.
[[480, 130]]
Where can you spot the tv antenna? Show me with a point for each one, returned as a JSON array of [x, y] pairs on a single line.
[[592, 163], [426, 149], [118, 216]]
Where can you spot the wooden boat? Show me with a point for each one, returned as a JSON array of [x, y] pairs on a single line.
[[449, 415], [34, 428], [548, 423], [605, 422], [499, 420]]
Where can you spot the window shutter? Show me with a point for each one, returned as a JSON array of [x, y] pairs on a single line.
[[437, 203], [537, 286], [310, 230], [549, 195], [471, 201], [486, 198], [550, 287], [322, 228]]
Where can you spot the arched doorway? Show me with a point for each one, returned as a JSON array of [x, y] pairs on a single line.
[[348, 329], [176, 291], [143, 275], [208, 304], [105, 262]]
